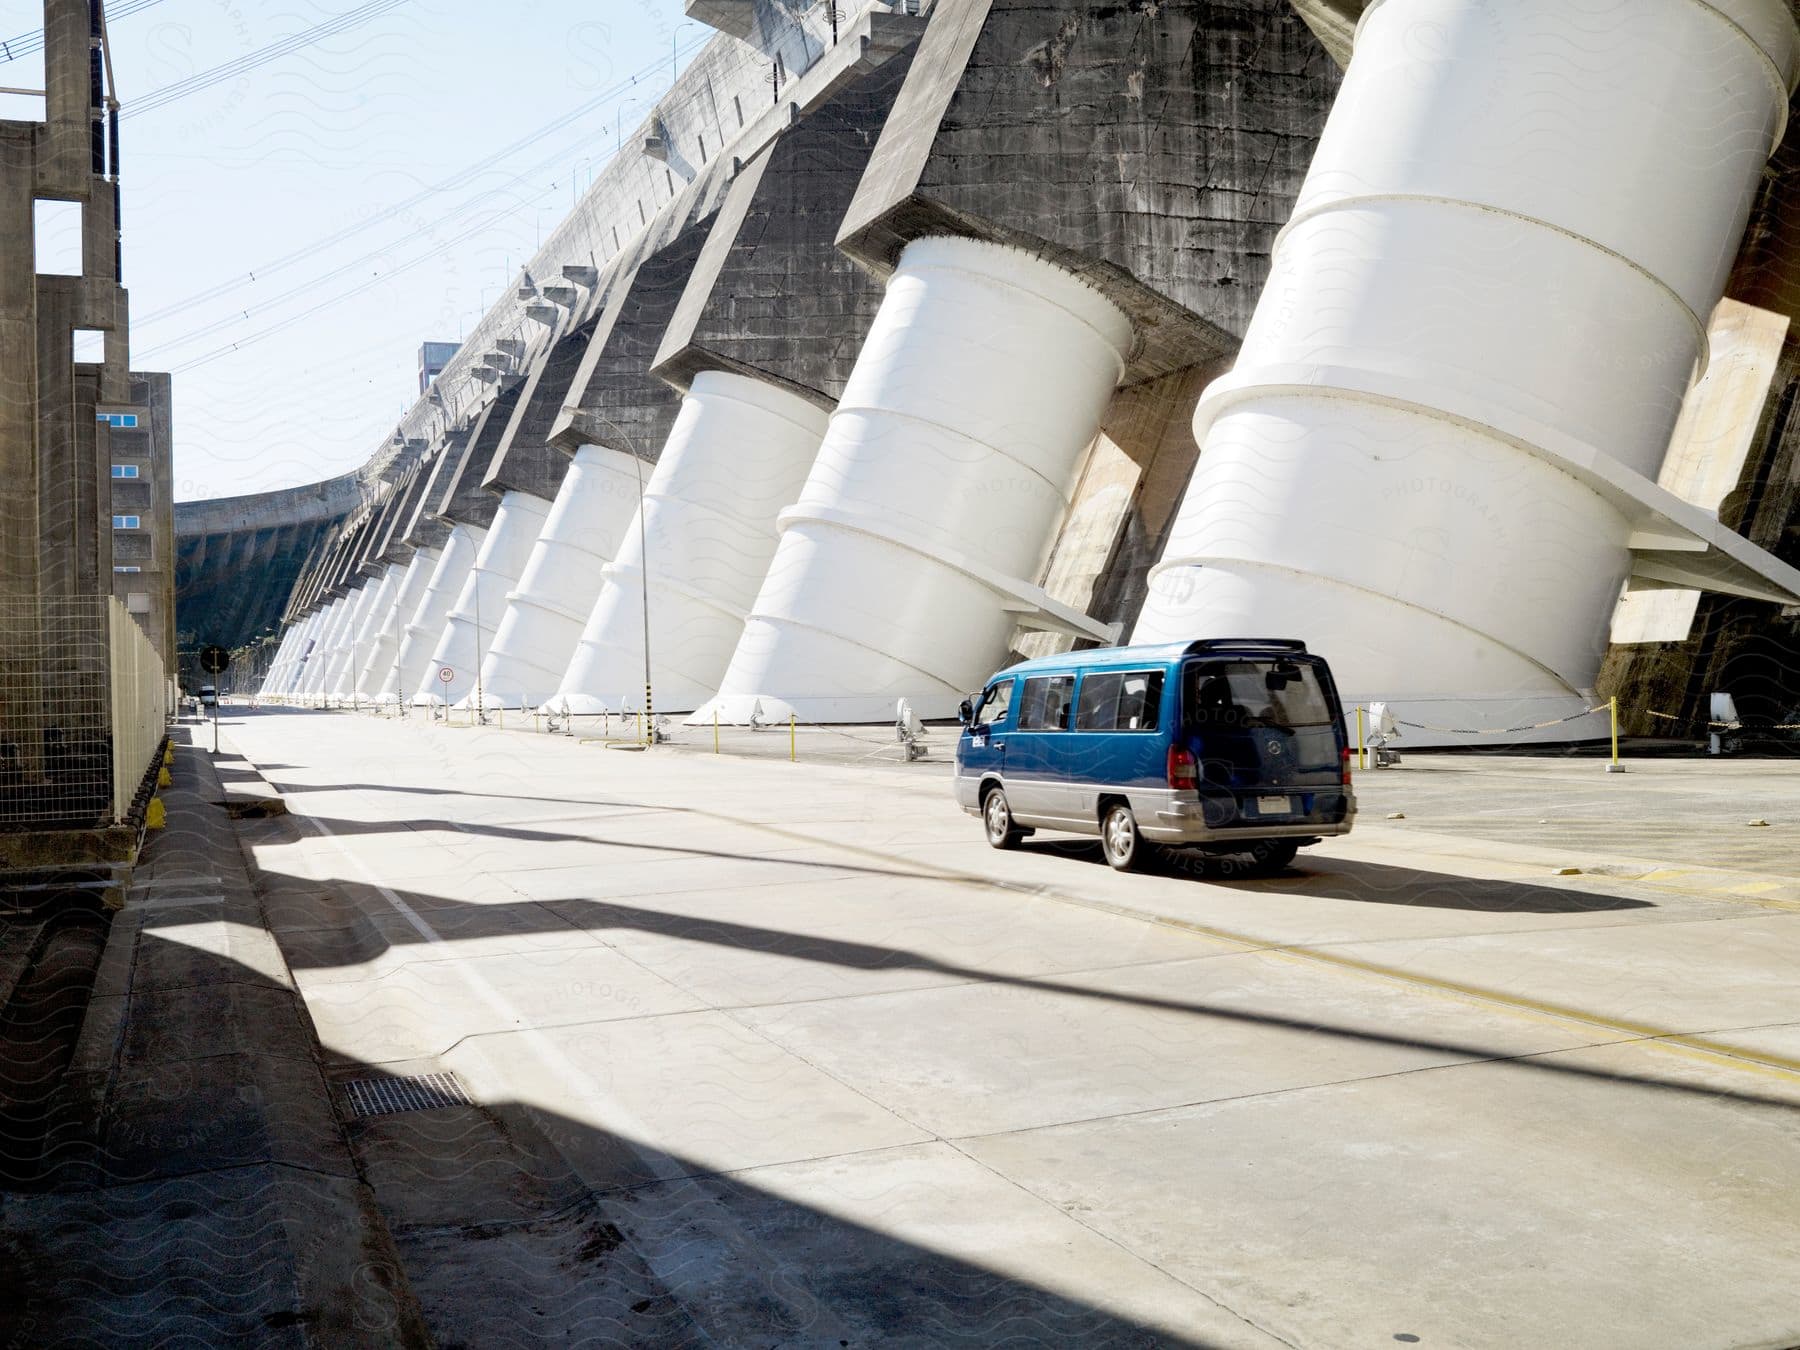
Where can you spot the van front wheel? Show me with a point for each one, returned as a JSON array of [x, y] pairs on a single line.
[[996, 818], [1124, 847]]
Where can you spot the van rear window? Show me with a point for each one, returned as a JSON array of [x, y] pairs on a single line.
[[1045, 703], [1253, 693], [1125, 700]]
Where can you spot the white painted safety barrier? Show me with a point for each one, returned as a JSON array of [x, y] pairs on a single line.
[[907, 561], [738, 453]]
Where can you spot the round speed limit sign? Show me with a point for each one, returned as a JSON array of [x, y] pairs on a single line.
[[445, 674]]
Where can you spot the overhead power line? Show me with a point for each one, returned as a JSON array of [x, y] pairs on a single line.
[[292, 319], [11, 49], [459, 179], [207, 79]]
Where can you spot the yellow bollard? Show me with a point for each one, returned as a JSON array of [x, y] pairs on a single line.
[[163, 779], [168, 754], [155, 814], [1612, 707], [1362, 754], [715, 731], [793, 740]]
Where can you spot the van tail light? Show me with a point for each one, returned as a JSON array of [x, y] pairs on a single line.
[[1183, 772], [1344, 762]]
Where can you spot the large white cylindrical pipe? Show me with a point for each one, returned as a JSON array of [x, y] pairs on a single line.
[[307, 629], [595, 503], [943, 474], [739, 452], [337, 665], [284, 656], [469, 627], [384, 644], [381, 592], [312, 681], [412, 667], [1496, 279]]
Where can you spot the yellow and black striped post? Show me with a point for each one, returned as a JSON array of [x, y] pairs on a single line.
[[649, 717]]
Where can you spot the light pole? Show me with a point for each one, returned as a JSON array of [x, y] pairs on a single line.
[[685, 23], [637, 462]]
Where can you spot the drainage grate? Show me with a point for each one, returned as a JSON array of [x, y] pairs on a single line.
[[387, 1096]]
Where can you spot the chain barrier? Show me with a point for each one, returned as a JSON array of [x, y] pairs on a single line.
[[1588, 712], [1500, 731], [1721, 726]]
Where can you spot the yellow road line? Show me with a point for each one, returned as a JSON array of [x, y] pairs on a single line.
[[1778, 1066]]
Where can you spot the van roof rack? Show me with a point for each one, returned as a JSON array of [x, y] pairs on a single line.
[[1253, 644]]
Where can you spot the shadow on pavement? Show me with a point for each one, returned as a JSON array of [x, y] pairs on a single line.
[[1366, 883]]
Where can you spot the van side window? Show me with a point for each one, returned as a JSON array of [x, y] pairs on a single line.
[[995, 705], [1126, 700], [1045, 704]]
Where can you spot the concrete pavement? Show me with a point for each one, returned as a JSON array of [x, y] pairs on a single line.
[[769, 1053], [193, 1185]]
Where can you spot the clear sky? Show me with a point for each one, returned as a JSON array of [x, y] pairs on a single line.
[[263, 250]]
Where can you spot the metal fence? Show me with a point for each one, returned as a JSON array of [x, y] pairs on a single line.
[[83, 710], [140, 707]]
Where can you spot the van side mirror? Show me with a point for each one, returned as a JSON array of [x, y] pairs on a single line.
[[965, 712]]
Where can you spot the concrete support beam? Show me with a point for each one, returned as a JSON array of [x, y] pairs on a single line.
[[65, 159], [19, 541], [1333, 22], [1012, 105]]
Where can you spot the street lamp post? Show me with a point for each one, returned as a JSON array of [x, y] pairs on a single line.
[[637, 462], [685, 23]]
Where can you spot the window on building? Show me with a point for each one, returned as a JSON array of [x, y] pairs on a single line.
[[125, 471], [127, 569], [57, 235], [125, 522], [738, 103]]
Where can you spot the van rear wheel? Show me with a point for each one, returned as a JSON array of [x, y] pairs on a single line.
[[1120, 841], [997, 820]]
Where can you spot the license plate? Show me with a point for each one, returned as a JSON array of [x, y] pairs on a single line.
[[1274, 806]]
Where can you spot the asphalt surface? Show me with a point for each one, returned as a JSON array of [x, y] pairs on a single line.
[[761, 1052]]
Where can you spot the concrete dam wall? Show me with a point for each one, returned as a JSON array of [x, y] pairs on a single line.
[[828, 400]]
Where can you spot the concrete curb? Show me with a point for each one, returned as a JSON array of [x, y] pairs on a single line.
[[208, 1189]]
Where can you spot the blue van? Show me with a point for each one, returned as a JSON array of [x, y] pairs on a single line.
[[1232, 747]]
